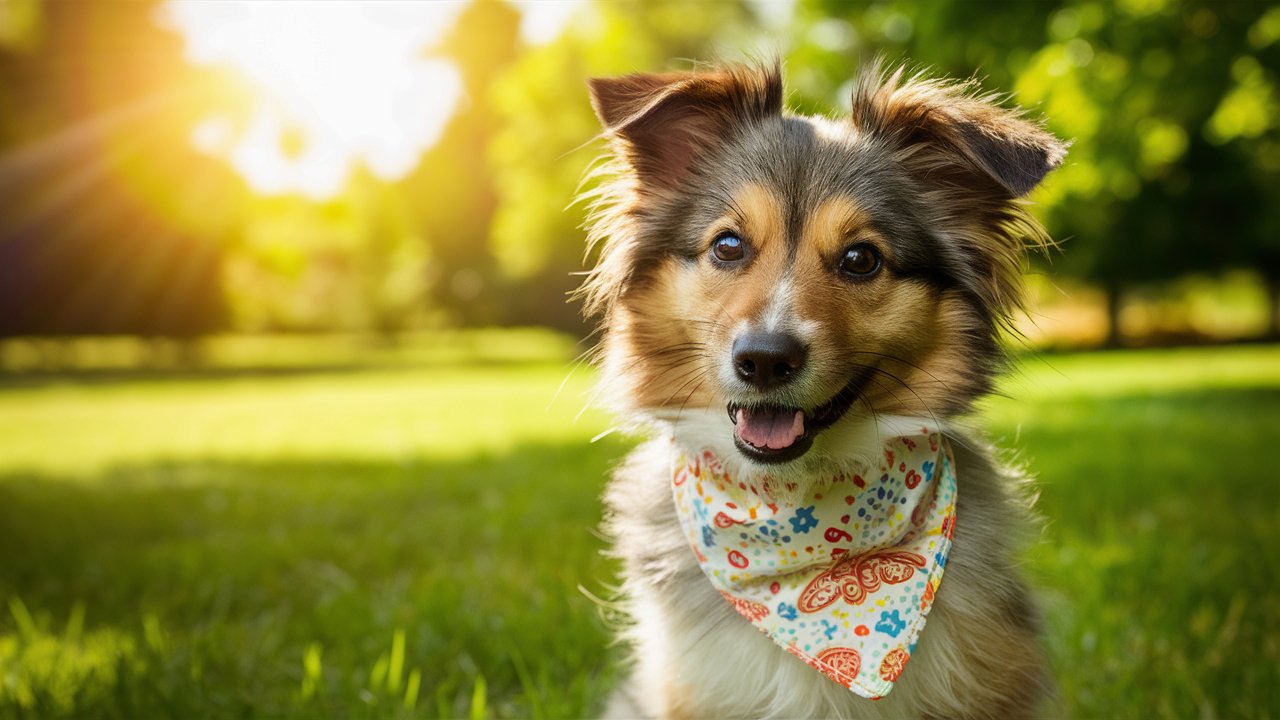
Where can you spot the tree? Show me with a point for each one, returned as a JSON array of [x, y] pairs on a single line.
[[1152, 193], [1171, 109], [544, 145], [454, 187], [95, 237]]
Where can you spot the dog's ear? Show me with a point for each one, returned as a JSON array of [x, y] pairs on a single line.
[[661, 123], [925, 115]]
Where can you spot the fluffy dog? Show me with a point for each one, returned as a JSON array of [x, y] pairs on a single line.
[[799, 309]]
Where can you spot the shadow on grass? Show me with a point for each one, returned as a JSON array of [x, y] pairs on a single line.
[[212, 580]]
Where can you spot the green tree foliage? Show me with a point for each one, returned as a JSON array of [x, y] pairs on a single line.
[[454, 187], [1156, 188], [111, 222], [356, 262], [547, 138], [1171, 107]]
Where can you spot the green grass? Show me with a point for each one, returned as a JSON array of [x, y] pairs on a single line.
[[1160, 482], [411, 540]]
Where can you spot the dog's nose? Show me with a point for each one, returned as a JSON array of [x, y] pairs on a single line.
[[768, 359]]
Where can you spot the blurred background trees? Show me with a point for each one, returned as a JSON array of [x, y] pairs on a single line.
[[123, 209]]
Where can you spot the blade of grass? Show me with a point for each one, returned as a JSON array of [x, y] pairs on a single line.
[[411, 689], [526, 682], [378, 674], [75, 623], [395, 671], [22, 616], [312, 670], [153, 634], [479, 698]]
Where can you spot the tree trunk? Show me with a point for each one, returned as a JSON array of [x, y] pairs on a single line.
[[1114, 297]]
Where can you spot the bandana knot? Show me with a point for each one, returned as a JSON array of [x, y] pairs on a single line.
[[843, 577]]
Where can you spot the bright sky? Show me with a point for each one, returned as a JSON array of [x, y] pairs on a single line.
[[542, 20], [347, 78]]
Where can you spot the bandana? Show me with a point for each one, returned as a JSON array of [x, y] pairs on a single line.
[[842, 579]]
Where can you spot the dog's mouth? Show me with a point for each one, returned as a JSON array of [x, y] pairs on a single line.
[[776, 434]]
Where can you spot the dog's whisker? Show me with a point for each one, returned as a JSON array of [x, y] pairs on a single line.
[[670, 364], [923, 404], [906, 362], [688, 396], [692, 376]]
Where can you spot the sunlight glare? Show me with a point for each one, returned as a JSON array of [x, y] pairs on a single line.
[[542, 21], [348, 79]]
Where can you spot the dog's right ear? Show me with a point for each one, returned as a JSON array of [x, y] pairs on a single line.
[[948, 124], [662, 123]]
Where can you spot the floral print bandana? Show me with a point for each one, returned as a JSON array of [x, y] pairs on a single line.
[[842, 579]]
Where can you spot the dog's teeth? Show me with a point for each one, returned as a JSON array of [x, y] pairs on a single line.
[[733, 413]]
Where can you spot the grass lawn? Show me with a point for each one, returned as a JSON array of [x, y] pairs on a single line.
[[415, 539]]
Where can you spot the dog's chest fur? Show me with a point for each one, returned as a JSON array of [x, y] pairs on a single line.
[[696, 657]]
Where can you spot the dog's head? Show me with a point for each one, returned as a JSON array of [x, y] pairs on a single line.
[[773, 286]]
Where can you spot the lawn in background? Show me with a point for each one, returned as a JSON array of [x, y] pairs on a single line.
[[416, 538]]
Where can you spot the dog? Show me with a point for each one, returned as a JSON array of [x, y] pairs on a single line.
[[800, 311]]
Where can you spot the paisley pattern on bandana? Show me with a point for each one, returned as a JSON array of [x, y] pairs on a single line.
[[842, 579]]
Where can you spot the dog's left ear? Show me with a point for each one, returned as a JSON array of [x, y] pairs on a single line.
[[998, 143], [663, 122]]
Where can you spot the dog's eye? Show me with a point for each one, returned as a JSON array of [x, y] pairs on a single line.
[[860, 261], [729, 248]]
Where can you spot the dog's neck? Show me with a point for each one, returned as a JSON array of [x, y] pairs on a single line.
[[851, 446]]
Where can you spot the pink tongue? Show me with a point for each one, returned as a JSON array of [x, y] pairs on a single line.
[[772, 429]]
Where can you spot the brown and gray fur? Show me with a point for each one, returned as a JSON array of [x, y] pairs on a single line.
[[929, 174]]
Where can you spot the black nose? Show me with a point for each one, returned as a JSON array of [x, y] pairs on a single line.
[[768, 359]]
